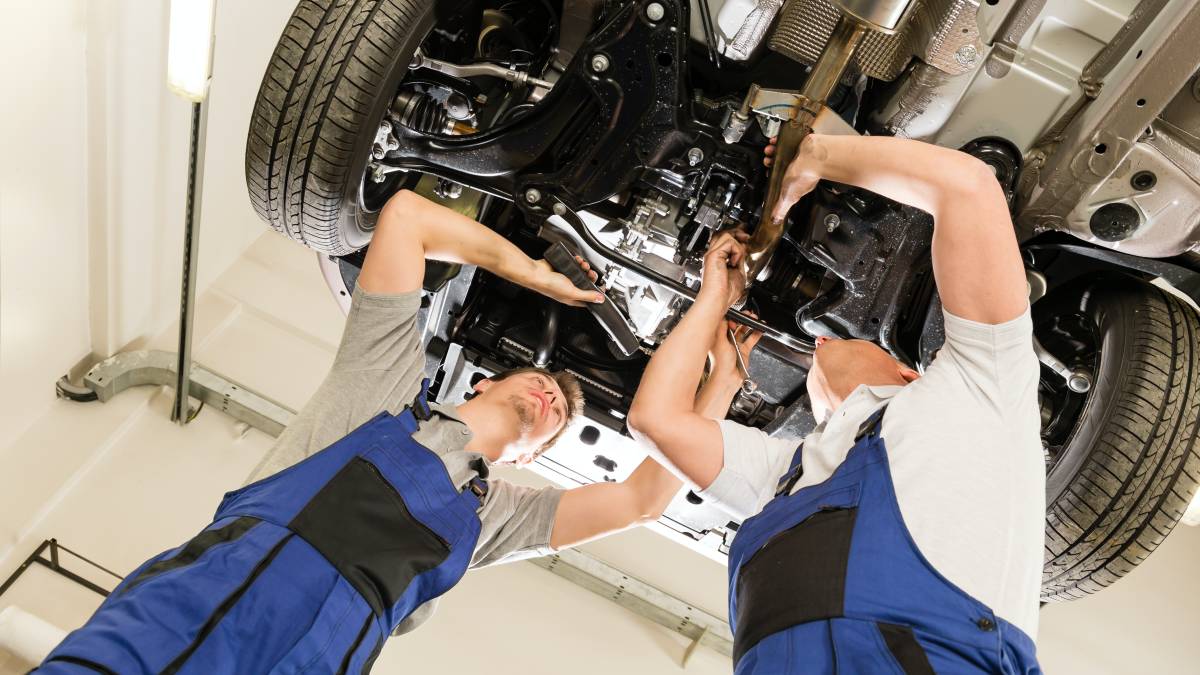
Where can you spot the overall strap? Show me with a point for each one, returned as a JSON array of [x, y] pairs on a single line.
[[794, 472], [423, 413], [872, 425], [479, 486], [869, 428], [420, 405]]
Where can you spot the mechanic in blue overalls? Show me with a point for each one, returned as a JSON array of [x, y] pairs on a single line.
[[904, 534], [341, 543]]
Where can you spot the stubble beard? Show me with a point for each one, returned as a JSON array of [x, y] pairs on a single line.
[[524, 414]]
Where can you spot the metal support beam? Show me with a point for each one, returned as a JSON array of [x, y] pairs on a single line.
[[114, 375], [54, 565], [1086, 148], [181, 410], [640, 598], [131, 369]]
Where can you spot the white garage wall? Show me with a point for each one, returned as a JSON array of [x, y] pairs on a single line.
[[138, 159], [93, 168], [43, 215]]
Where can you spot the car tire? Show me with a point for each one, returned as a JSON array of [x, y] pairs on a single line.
[[1131, 465], [326, 89]]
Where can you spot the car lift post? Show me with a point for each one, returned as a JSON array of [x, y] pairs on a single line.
[[180, 410]]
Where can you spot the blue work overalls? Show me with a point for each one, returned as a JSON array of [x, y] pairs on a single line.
[[308, 570], [829, 580]]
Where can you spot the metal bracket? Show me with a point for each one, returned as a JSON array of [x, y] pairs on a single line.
[[131, 369], [640, 598], [53, 564]]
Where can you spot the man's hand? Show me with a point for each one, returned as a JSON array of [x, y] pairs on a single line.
[[558, 287], [724, 279], [801, 177], [412, 228], [725, 376], [722, 355]]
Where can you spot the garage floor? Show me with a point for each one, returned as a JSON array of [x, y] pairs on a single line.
[[268, 322]]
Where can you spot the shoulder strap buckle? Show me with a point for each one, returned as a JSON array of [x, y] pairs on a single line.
[[420, 404], [479, 487], [872, 425]]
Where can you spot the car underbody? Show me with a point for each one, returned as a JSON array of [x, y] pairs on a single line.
[[631, 132]]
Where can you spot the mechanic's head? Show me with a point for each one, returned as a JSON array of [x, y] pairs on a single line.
[[840, 366], [538, 403]]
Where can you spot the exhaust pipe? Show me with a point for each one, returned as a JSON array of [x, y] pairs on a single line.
[[826, 72]]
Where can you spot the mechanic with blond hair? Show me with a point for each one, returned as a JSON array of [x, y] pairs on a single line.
[[374, 501], [905, 533]]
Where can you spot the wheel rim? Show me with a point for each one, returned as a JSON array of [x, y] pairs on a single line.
[[1073, 336]]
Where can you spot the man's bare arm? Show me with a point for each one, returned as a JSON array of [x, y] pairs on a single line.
[[593, 511], [663, 412], [412, 228], [976, 262], [596, 510]]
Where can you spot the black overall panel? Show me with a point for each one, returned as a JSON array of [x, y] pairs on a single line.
[[797, 577], [360, 524]]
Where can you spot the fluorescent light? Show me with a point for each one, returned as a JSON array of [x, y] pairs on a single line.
[[189, 55], [1192, 515]]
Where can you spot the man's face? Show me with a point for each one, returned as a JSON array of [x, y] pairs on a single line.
[[840, 366], [537, 407]]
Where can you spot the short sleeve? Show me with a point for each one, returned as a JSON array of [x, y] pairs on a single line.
[[381, 332], [753, 463], [995, 362], [517, 522]]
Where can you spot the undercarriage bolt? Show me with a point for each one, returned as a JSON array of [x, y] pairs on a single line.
[[599, 63], [966, 55], [533, 195], [832, 221], [695, 156], [1079, 381], [447, 189], [655, 11]]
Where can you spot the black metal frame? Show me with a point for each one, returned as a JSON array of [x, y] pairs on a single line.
[[583, 142], [53, 565]]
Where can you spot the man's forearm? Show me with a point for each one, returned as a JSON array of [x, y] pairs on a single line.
[[716, 395], [654, 486], [668, 385], [412, 228], [452, 237], [918, 174]]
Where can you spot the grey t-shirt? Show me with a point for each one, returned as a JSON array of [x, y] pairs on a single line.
[[379, 366]]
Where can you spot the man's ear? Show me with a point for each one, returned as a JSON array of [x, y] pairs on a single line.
[[908, 374]]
